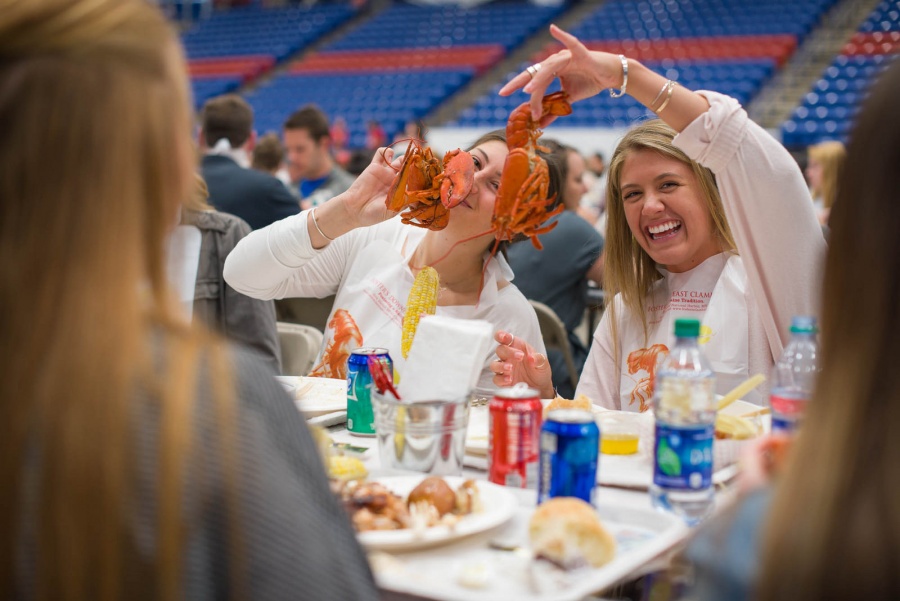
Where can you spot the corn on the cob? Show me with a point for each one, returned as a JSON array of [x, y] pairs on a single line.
[[341, 467], [738, 428], [422, 299]]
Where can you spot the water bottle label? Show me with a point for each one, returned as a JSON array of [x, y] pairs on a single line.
[[782, 424], [788, 406], [683, 458]]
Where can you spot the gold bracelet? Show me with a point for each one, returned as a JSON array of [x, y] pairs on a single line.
[[621, 91], [662, 91], [668, 98], [318, 229]]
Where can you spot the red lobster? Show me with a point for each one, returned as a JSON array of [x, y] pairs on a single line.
[[432, 188], [522, 204]]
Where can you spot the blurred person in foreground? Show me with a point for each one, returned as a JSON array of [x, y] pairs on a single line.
[[557, 275], [142, 457], [709, 217], [226, 140], [827, 525], [238, 317], [314, 173], [825, 161]]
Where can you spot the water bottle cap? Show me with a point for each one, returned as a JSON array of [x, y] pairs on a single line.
[[804, 324], [687, 328]]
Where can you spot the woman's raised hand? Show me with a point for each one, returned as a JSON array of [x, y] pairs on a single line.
[[364, 201], [518, 362], [583, 73]]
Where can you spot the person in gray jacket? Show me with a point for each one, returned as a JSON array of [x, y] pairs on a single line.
[[242, 319]]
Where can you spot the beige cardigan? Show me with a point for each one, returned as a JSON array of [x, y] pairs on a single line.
[[775, 228]]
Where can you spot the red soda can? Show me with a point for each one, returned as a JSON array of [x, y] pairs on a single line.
[[514, 437]]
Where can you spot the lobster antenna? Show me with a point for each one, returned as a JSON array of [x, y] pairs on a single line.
[[455, 244], [483, 269]]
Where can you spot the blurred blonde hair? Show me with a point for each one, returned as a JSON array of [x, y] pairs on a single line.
[[830, 155], [629, 270], [94, 161], [198, 198]]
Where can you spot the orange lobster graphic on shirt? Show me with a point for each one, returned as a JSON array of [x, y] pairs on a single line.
[[345, 339], [645, 359]]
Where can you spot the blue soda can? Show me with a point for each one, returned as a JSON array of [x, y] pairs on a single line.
[[570, 447], [360, 417]]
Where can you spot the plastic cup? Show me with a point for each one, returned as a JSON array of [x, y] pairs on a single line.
[[619, 434]]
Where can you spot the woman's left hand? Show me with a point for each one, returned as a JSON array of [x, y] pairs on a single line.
[[518, 362], [583, 73]]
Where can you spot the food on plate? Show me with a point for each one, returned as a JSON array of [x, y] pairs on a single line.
[[341, 467], [436, 492], [579, 402], [467, 498], [735, 427], [372, 506], [567, 532]]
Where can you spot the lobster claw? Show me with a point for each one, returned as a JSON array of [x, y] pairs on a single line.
[[458, 177]]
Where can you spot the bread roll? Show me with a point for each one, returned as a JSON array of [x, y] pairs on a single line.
[[568, 532], [580, 402], [436, 492]]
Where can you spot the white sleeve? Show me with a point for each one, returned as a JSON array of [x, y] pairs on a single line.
[[279, 261], [599, 379], [768, 208]]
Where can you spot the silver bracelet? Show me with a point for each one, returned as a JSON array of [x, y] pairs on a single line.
[[671, 85], [621, 91], [318, 229], [661, 92]]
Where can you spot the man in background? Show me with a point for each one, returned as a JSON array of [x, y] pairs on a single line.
[[310, 164], [226, 140]]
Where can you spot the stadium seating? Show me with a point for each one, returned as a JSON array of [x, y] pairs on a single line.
[[234, 46], [729, 46], [406, 60], [827, 111], [399, 65]]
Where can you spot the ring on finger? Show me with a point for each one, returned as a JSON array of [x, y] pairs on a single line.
[[533, 69]]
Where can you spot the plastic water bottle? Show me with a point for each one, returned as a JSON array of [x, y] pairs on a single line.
[[684, 400], [794, 376]]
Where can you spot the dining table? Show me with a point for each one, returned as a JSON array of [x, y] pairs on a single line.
[[486, 555], [495, 563]]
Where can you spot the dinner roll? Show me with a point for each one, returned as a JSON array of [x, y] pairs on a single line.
[[434, 491], [568, 532], [580, 402]]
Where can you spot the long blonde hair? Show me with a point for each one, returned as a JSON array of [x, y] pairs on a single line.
[[629, 270], [834, 525], [94, 162], [830, 155]]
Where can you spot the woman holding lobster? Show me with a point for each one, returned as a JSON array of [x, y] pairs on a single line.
[[357, 247], [708, 217]]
